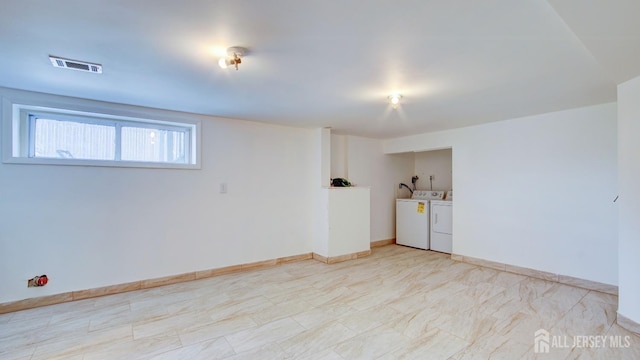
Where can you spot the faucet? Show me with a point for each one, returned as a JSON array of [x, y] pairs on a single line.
[[405, 185]]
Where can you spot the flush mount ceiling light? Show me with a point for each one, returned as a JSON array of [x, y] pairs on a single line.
[[394, 100], [234, 57]]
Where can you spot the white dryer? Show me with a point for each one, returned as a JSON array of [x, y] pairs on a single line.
[[441, 229], [412, 218]]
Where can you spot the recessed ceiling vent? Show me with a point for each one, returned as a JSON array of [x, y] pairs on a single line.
[[76, 65]]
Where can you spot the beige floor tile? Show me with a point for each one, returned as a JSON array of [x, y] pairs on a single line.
[[520, 328], [195, 333], [204, 303], [170, 324], [281, 310], [272, 332], [266, 352], [518, 298], [313, 318], [211, 349], [587, 317], [493, 347], [565, 293], [372, 344], [149, 346], [398, 303], [323, 355], [25, 336], [317, 340], [435, 344], [553, 354], [414, 299], [239, 307], [20, 351], [621, 343], [80, 345], [602, 297], [416, 324], [110, 317], [5, 318], [467, 324], [361, 321]]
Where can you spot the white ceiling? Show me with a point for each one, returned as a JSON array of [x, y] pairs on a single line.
[[319, 63]]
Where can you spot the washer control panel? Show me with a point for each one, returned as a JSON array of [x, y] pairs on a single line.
[[427, 195]]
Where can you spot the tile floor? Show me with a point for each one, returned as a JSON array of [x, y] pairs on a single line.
[[398, 303]]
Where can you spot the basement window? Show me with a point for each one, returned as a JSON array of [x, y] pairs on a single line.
[[67, 137]]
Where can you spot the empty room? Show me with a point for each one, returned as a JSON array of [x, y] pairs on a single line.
[[275, 179]]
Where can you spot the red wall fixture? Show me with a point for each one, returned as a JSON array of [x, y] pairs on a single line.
[[41, 280]]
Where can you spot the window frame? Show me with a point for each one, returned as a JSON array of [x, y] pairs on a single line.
[[19, 141]]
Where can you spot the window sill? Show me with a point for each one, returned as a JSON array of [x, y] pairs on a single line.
[[99, 163]]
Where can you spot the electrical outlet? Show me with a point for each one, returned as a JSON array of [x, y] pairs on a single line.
[[37, 281]]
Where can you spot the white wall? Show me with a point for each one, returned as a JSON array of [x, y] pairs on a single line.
[[437, 163], [349, 221], [367, 165], [629, 202], [321, 174], [535, 192], [87, 227], [339, 168]]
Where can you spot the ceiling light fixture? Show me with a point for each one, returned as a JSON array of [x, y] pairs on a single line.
[[234, 57], [394, 100]]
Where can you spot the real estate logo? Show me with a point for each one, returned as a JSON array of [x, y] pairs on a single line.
[[541, 341]]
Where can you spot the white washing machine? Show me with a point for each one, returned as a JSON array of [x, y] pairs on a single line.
[[412, 218], [441, 229]]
